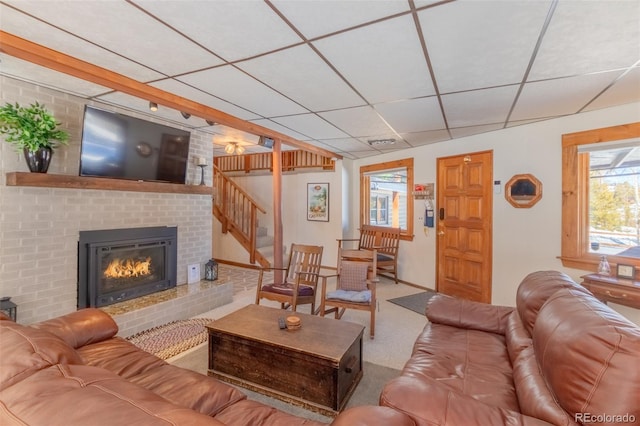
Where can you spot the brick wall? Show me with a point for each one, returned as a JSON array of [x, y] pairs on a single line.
[[39, 227]]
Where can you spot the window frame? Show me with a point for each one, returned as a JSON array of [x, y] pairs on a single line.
[[365, 192], [575, 196]]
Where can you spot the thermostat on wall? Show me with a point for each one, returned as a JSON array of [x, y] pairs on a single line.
[[193, 275]]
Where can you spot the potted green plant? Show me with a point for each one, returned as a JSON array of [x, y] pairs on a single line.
[[33, 130]]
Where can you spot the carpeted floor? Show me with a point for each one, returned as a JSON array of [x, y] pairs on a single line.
[[414, 302], [367, 393], [168, 340]]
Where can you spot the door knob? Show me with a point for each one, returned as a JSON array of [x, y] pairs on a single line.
[[440, 232]]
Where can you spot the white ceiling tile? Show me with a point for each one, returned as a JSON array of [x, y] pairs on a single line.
[[318, 17], [236, 87], [303, 76], [225, 27], [383, 62], [138, 36], [23, 70], [483, 43], [479, 107], [461, 132], [361, 121], [269, 124], [347, 144], [24, 26], [414, 115], [425, 138], [589, 36], [560, 96], [191, 93], [624, 91], [311, 124]]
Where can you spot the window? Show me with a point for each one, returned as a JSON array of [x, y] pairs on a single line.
[[601, 197], [386, 195]]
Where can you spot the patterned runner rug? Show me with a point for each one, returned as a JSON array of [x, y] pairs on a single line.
[[168, 340]]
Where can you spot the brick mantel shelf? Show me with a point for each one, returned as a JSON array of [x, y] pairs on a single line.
[[49, 180]]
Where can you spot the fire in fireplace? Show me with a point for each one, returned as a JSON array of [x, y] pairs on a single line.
[[121, 264]]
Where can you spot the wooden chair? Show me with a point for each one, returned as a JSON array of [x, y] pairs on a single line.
[[299, 280], [385, 240], [354, 290]]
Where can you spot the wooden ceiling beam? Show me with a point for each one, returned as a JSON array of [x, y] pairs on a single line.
[[58, 61]]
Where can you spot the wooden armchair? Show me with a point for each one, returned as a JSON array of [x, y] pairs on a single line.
[[354, 290], [385, 240], [299, 280]]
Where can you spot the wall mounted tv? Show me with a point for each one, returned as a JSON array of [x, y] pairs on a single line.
[[122, 147]]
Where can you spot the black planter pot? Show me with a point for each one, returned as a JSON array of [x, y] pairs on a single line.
[[38, 161]]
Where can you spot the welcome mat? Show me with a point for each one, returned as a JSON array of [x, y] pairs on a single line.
[[415, 302], [168, 340]]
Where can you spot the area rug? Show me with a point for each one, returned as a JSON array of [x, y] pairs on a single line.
[[367, 392], [168, 340], [414, 302]]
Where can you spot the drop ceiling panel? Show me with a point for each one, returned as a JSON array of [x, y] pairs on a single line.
[[303, 76], [624, 91], [269, 124], [311, 124], [188, 92], [425, 138], [481, 44], [383, 62], [560, 96], [225, 27], [361, 121], [22, 70], [415, 115], [589, 36], [236, 87], [123, 28], [21, 25], [316, 18], [347, 144], [479, 107], [474, 130]]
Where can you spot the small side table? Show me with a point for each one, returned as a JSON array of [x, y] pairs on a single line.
[[612, 289], [9, 308]]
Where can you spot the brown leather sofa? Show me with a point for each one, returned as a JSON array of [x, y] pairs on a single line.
[[74, 370], [560, 357]]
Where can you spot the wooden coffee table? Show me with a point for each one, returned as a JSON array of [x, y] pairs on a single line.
[[317, 366]]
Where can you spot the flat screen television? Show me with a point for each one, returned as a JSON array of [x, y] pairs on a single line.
[[122, 147]]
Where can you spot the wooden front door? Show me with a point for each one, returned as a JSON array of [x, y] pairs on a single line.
[[464, 232]]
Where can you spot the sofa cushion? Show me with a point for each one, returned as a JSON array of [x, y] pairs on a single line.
[[81, 327], [516, 336], [589, 355], [456, 312], [25, 350], [120, 357], [249, 412], [535, 289], [82, 395], [471, 362]]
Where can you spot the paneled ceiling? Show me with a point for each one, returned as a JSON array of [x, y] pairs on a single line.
[[338, 74]]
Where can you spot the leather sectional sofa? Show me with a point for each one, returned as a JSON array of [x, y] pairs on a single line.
[[74, 370], [561, 357]]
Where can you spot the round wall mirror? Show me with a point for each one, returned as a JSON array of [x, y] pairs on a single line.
[[523, 191]]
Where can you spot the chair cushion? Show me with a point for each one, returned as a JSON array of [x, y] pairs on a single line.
[[287, 289], [353, 276], [350, 296]]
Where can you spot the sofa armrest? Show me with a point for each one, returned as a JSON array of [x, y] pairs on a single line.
[[81, 327], [430, 403], [461, 313], [371, 415]]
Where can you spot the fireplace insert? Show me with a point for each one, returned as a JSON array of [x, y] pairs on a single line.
[[115, 265]]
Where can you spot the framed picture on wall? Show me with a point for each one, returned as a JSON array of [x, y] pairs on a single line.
[[318, 202]]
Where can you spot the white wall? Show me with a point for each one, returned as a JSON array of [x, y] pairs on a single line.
[[524, 240], [296, 227]]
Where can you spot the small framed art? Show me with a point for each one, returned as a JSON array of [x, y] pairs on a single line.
[[318, 202], [626, 271]]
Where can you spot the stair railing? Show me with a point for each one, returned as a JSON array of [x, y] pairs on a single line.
[[237, 213]]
